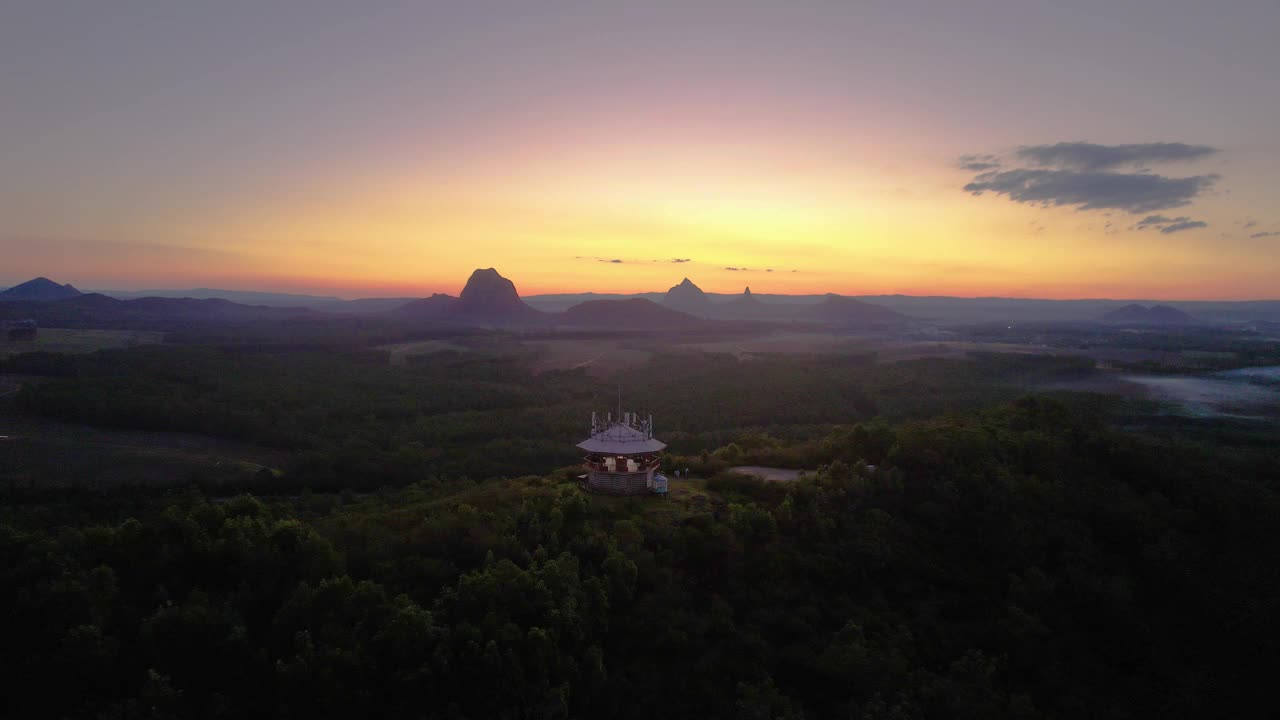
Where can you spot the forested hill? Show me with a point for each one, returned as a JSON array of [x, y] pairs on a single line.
[[1023, 561]]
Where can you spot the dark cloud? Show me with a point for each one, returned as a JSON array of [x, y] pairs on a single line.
[[1248, 224], [979, 163], [1257, 235], [1092, 190], [621, 261], [1168, 225], [1090, 157], [734, 269], [1184, 225]]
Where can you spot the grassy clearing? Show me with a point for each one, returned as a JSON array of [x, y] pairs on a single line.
[[399, 353], [28, 463], [63, 340], [599, 357], [40, 454]]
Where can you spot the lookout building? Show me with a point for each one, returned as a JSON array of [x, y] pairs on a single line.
[[622, 456]]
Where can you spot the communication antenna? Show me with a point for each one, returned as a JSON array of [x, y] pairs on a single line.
[[620, 402]]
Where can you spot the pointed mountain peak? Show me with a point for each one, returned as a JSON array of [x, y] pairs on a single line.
[[686, 286], [688, 298], [747, 292], [41, 288]]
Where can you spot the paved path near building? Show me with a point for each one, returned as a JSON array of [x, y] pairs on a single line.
[[768, 474]]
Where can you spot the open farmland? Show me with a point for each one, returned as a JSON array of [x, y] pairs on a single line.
[[64, 340]]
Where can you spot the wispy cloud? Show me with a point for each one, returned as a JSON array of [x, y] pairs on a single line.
[[1085, 156], [622, 261], [979, 163], [1131, 192], [1168, 225], [1258, 235], [1184, 225], [1088, 176]]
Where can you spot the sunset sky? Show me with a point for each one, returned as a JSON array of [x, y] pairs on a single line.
[[1015, 147]]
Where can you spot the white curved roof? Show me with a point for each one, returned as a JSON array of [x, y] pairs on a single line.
[[621, 439]]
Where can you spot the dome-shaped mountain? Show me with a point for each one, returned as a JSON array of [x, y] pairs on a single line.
[[840, 310], [438, 305], [1135, 314], [487, 291], [39, 289], [689, 298], [633, 314]]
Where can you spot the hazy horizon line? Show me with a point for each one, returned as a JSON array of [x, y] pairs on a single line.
[[357, 294]]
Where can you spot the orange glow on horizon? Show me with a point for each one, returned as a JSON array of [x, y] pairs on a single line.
[[553, 212]]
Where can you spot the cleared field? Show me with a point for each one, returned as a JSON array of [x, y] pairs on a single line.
[[599, 357], [400, 352], [792, 343], [28, 463], [63, 340], [769, 474], [602, 356], [38, 454]]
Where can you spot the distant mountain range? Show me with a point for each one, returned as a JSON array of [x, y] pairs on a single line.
[[323, 303], [1135, 314], [490, 299], [40, 289], [94, 310]]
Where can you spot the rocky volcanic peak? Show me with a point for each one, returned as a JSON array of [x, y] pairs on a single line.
[[747, 307], [40, 289], [745, 302], [490, 296], [486, 289], [688, 297]]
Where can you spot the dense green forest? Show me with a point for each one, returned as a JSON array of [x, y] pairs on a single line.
[[352, 420], [427, 551], [1023, 561]]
